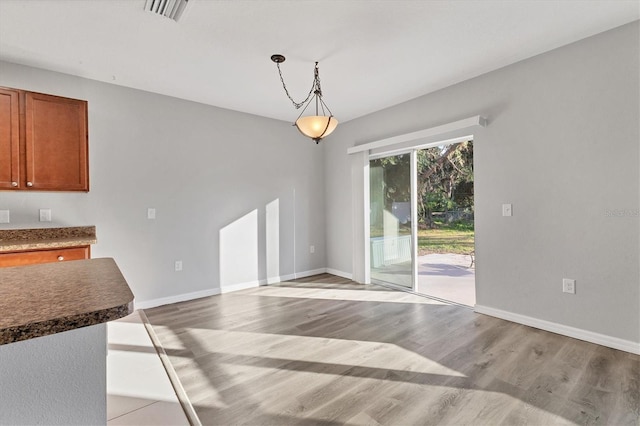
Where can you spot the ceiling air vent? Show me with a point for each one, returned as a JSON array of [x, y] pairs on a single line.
[[171, 9]]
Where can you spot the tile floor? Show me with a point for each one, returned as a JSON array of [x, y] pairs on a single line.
[[138, 389]]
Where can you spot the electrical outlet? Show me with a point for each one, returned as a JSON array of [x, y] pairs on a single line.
[[312, 249], [4, 216], [507, 210], [45, 215], [568, 286], [151, 213], [178, 265]]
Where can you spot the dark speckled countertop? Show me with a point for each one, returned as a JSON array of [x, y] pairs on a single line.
[[39, 300], [12, 240]]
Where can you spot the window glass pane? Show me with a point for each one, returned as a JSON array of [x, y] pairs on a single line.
[[390, 210]]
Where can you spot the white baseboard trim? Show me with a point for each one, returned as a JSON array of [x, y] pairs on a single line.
[[147, 304], [270, 280], [284, 278], [242, 286], [305, 274], [338, 273], [296, 275], [577, 333]]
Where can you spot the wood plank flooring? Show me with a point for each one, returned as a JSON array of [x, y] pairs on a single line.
[[327, 351]]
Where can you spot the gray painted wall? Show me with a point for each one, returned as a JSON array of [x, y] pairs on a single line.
[[207, 171], [562, 145]]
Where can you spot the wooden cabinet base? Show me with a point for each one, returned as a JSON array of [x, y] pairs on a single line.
[[44, 256]]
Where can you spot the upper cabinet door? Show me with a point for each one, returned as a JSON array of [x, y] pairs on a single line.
[[9, 139], [56, 143]]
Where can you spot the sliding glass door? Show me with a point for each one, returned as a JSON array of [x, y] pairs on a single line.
[[446, 258], [421, 234], [392, 242]]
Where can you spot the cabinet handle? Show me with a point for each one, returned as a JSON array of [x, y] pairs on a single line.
[[29, 184], [60, 258], [14, 184]]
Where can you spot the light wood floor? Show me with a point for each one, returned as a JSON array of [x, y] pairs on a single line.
[[327, 351]]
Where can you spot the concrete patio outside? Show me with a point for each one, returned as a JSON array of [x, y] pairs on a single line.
[[445, 276]]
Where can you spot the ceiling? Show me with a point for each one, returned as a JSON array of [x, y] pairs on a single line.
[[373, 54]]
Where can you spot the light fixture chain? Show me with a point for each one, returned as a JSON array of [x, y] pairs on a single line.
[[298, 105], [316, 80]]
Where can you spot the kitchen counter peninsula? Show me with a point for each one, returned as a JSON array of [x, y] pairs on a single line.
[[39, 300], [53, 340]]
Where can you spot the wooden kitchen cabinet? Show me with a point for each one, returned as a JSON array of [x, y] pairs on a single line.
[[9, 138], [22, 258], [43, 142]]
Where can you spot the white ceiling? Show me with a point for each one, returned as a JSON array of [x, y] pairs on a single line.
[[373, 54]]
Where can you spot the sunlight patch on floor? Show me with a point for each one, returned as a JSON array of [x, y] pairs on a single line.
[[348, 295], [334, 352]]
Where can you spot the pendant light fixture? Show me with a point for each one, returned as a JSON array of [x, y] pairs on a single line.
[[315, 126]]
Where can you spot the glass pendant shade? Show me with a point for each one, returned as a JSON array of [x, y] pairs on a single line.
[[316, 127]]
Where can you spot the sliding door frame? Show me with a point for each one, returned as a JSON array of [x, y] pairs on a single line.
[[360, 155], [413, 151], [414, 219]]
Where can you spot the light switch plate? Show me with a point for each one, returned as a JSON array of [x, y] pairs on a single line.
[[507, 210], [4, 216], [45, 215], [151, 213], [568, 285]]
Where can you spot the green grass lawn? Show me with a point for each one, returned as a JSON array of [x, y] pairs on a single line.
[[446, 238], [455, 238]]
